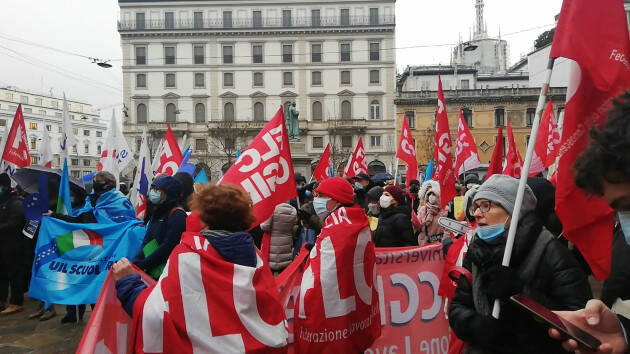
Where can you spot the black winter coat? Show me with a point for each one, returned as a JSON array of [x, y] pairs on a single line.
[[550, 274], [618, 283], [394, 228], [13, 243]]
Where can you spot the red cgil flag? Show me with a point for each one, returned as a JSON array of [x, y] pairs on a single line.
[[171, 156], [322, 171], [466, 155], [547, 141], [496, 160], [16, 153], [407, 151], [357, 164], [595, 35], [513, 160], [265, 169], [444, 162]]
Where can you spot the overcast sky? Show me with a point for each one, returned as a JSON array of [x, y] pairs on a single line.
[[88, 27]]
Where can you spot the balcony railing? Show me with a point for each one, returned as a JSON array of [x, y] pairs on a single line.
[[496, 92], [251, 23]]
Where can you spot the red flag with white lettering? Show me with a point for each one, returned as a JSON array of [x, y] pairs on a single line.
[[16, 152], [109, 328], [171, 156], [595, 35], [466, 155], [407, 151], [357, 164], [322, 171], [547, 141], [265, 170], [337, 309], [496, 161], [444, 163], [205, 304], [513, 160]]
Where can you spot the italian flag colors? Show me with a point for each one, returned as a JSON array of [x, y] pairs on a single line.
[[78, 238]]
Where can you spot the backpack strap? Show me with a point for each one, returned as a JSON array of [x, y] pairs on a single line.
[[170, 213]]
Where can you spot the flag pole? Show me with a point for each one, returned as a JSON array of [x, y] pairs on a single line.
[[507, 255]]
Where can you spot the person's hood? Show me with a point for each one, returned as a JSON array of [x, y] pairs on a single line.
[[170, 185], [427, 186], [234, 247]]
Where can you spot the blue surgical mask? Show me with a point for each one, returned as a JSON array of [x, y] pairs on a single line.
[[491, 234], [307, 194], [319, 204], [358, 185], [624, 222], [155, 196]]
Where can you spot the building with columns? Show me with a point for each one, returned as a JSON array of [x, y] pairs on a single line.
[[216, 71], [46, 112]]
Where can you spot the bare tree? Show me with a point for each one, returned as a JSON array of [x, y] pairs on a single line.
[[425, 142]]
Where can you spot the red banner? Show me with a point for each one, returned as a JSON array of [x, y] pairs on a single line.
[[547, 141], [265, 169], [16, 146], [466, 156], [322, 171], [444, 172], [109, 328], [357, 164], [407, 151], [513, 160], [497, 155], [171, 156], [407, 279]]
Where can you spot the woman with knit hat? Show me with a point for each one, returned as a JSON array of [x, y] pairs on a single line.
[[541, 268], [394, 222], [429, 213]]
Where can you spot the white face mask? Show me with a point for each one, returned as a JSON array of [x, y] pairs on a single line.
[[374, 208], [385, 201]]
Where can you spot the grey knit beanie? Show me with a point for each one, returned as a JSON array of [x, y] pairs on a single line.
[[374, 193], [501, 190]]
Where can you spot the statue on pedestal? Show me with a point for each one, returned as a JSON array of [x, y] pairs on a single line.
[[293, 125]]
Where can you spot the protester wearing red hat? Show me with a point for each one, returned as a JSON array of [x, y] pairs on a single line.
[[394, 222], [331, 194]]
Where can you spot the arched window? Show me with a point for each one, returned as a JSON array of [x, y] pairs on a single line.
[[346, 110], [141, 113], [228, 112], [259, 112], [375, 110], [375, 167], [200, 113], [317, 111], [225, 167], [171, 116]]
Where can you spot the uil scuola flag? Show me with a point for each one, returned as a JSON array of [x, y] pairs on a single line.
[[72, 260]]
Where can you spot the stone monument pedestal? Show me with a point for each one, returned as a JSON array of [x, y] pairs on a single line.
[[301, 160]]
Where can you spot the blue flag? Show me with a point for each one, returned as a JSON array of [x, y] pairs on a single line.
[[429, 172], [185, 166], [201, 177], [64, 205], [72, 260]]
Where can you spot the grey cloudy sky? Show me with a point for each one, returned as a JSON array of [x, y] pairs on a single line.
[[88, 27]]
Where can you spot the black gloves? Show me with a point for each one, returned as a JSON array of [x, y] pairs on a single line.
[[501, 282]]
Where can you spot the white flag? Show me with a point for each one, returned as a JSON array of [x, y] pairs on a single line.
[[45, 150], [68, 139], [116, 154], [156, 159], [142, 180]]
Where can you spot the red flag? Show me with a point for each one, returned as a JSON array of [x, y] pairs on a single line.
[[513, 160], [466, 155], [16, 146], [338, 296], [547, 141], [595, 35], [496, 160], [171, 156], [205, 304], [444, 159], [109, 328], [357, 164], [265, 169], [407, 151], [322, 171]]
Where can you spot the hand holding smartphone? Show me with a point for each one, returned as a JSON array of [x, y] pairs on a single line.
[[547, 316]]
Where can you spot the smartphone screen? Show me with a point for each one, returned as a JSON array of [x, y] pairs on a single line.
[[555, 321]]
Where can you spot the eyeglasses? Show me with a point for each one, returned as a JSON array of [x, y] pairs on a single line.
[[483, 206]]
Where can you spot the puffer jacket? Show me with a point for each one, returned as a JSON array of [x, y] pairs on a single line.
[[550, 276], [282, 227], [394, 228]]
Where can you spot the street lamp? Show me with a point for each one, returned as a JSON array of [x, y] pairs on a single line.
[[101, 63], [468, 47]]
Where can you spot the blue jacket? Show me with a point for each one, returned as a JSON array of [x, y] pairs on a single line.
[[237, 248]]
